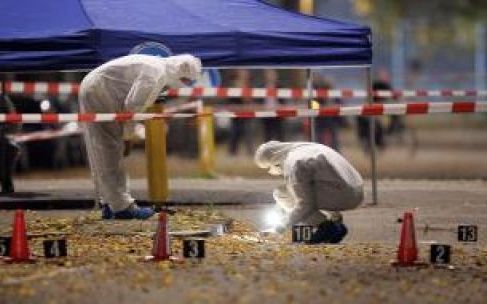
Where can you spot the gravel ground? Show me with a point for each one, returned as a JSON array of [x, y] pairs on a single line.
[[245, 267]]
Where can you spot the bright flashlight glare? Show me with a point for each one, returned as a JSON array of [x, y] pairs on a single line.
[[273, 218]]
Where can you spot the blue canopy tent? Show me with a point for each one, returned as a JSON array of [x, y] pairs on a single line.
[[82, 34]]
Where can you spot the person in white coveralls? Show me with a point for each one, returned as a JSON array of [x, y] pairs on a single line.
[[126, 84], [319, 183]]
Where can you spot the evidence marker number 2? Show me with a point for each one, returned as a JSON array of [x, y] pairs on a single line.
[[440, 254]]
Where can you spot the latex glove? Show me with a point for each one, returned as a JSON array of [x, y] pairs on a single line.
[[283, 198], [275, 219]]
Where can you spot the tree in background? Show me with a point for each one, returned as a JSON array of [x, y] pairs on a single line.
[[437, 20]]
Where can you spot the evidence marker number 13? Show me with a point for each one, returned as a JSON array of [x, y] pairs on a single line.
[[467, 233]]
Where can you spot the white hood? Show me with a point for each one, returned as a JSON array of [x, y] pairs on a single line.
[[271, 155], [182, 66]]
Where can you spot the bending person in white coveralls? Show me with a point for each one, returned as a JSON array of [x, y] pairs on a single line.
[[126, 84], [318, 181]]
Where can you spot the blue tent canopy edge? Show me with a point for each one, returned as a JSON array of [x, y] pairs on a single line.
[[82, 34]]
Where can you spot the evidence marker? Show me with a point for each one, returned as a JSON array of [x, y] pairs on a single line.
[[55, 248], [194, 248], [467, 233], [5, 245], [440, 254], [302, 233]]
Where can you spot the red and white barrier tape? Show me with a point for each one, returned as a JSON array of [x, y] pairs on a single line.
[[41, 88], [298, 93], [55, 134], [363, 110], [196, 106], [43, 135], [69, 88]]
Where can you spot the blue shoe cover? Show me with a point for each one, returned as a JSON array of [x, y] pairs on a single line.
[[134, 212], [329, 232], [106, 212]]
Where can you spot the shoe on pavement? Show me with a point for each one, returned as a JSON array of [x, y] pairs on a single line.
[[106, 212], [329, 232], [134, 212]]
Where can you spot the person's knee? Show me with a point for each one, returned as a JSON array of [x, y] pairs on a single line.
[[356, 199], [352, 200]]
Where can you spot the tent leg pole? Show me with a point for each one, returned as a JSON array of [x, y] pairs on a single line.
[[372, 143], [312, 120]]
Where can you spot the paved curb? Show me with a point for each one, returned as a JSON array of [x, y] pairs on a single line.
[[78, 194]]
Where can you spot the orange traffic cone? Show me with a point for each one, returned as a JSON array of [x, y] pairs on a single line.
[[19, 247], [161, 249], [407, 253]]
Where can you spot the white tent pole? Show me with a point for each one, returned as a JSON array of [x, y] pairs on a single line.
[[372, 144]]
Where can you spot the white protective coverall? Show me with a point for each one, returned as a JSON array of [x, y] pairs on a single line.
[[126, 84], [317, 178]]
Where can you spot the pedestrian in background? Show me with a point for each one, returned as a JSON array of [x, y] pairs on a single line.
[[9, 150], [327, 128], [273, 126], [240, 127], [363, 125]]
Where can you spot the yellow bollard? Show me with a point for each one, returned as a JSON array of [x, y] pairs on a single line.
[[306, 7], [155, 150], [206, 142]]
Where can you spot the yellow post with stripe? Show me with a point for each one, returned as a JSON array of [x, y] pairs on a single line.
[[155, 150], [206, 142]]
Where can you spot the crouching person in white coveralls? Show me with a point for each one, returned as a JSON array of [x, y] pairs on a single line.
[[319, 183], [126, 84]]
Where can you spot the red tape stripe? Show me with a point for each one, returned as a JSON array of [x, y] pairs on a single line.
[[124, 116], [244, 114], [322, 93], [463, 107], [373, 109], [74, 88], [330, 111], [297, 93], [446, 93], [86, 117], [172, 92], [29, 88], [271, 92], [422, 93], [286, 113], [197, 92], [53, 89], [13, 118], [8, 87], [417, 108], [222, 92], [346, 93], [49, 118], [247, 92]]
